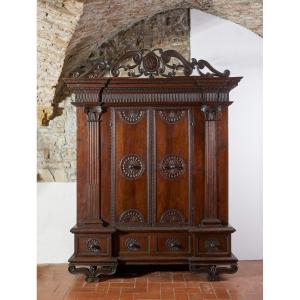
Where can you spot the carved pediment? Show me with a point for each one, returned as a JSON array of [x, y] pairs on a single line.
[[148, 63]]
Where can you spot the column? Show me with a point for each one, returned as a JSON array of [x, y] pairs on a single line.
[[94, 114], [211, 182]]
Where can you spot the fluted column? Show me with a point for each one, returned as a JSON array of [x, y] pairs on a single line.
[[211, 180], [94, 114]]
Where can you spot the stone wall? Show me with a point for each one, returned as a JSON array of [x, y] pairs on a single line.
[[57, 141], [56, 153]]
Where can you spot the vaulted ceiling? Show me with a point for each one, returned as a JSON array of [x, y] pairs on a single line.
[[69, 30]]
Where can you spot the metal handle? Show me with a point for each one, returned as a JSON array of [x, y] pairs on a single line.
[[175, 245], [135, 167], [133, 246], [174, 167], [212, 244], [93, 245], [96, 248]]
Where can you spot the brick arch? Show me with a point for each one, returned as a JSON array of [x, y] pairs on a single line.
[[95, 21]]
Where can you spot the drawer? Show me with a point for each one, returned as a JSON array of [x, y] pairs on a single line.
[[173, 244], [213, 244], [93, 244], [134, 244]]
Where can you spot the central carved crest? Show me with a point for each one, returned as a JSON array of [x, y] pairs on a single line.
[[151, 62]]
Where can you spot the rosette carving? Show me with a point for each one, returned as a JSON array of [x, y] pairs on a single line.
[[172, 166], [132, 166]]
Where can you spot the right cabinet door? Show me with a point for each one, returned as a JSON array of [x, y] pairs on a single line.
[[173, 158]]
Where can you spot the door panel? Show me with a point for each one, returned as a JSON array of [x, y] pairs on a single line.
[[130, 166], [172, 153]]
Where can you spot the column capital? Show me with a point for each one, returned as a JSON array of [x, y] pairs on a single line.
[[94, 113], [211, 112]]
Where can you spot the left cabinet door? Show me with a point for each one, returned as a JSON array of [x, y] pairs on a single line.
[[129, 166]]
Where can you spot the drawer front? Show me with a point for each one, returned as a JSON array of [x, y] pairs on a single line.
[[173, 244], [213, 245], [93, 244], [134, 244]]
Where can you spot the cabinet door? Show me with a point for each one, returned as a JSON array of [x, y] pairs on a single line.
[[129, 198], [173, 158]]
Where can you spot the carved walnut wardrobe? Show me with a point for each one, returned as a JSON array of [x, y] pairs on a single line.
[[152, 165]]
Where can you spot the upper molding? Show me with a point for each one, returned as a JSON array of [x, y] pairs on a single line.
[[151, 63]]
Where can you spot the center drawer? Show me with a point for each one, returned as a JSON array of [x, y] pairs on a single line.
[[173, 243], [134, 244]]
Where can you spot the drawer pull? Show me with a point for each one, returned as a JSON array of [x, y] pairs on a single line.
[[134, 167], [132, 244], [93, 245], [212, 245], [173, 244]]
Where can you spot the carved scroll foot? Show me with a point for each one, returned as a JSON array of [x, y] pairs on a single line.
[[94, 273], [213, 271]]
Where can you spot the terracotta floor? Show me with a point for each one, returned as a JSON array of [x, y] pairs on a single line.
[[55, 283]]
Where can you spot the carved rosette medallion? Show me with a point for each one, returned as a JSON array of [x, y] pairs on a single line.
[[132, 244], [93, 245], [172, 166], [132, 166], [171, 216], [131, 116], [171, 116], [151, 62], [173, 244], [131, 216]]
